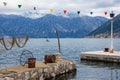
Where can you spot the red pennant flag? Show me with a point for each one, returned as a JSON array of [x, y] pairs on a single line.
[[65, 11], [105, 13]]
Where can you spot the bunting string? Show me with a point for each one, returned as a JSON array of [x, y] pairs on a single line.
[[51, 10]]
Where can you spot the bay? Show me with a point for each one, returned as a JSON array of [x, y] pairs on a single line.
[[70, 49]]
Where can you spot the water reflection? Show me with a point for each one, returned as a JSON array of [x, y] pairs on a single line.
[[101, 64], [112, 67], [66, 76]]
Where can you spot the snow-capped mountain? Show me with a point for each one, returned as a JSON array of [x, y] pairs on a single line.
[[14, 25]]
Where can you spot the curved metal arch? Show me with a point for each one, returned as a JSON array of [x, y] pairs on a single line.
[[24, 57]]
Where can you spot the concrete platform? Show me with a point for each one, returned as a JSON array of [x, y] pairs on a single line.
[[101, 56]]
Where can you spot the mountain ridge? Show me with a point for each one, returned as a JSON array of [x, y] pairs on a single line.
[[104, 30], [13, 25]]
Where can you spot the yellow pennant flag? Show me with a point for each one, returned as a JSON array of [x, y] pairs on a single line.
[[51, 10]]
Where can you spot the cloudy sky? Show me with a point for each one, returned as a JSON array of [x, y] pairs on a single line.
[[98, 7]]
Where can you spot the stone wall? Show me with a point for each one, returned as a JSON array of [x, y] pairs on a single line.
[[41, 73]]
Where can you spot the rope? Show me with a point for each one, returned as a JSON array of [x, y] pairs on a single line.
[[18, 41], [12, 42], [4, 43], [1, 41]]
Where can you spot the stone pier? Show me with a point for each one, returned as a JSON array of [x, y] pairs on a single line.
[[101, 56], [41, 71]]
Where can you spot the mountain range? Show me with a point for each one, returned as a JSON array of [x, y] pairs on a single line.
[[104, 30], [68, 27]]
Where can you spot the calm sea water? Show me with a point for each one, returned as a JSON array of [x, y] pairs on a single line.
[[71, 49]]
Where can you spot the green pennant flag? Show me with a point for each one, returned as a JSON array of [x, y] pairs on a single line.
[[19, 5]]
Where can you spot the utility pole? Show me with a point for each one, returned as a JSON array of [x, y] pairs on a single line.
[[58, 40]]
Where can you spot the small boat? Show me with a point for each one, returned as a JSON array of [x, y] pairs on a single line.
[[47, 40]]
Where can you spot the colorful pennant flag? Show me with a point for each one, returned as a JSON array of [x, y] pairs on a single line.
[[91, 13], [34, 8], [78, 12], [19, 5], [5, 3], [51, 10], [105, 13], [65, 11]]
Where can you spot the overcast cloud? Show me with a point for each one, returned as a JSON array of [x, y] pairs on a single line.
[[43, 6]]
